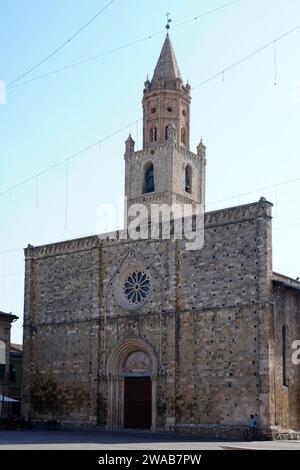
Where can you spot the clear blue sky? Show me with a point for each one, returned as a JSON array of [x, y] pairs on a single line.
[[250, 126]]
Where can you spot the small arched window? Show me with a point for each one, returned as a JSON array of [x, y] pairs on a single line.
[[167, 132], [183, 136], [148, 186], [283, 353], [153, 134], [2, 359], [188, 179]]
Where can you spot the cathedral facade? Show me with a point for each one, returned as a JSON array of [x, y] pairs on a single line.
[[123, 333]]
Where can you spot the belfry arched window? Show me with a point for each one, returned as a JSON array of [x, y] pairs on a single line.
[[167, 132], [148, 186], [188, 179], [183, 136], [153, 134]]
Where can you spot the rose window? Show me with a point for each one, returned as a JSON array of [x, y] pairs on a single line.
[[137, 287]]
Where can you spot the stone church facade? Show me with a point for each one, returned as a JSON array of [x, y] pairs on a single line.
[[147, 334]]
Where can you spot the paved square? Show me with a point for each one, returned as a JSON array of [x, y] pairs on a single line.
[[102, 440]]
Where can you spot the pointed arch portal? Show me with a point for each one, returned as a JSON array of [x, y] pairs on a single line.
[[132, 377]]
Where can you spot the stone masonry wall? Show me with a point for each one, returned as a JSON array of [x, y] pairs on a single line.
[[223, 314], [203, 319], [61, 331], [287, 397], [206, 321]]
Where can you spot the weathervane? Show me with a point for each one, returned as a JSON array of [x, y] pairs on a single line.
[[168, 21]]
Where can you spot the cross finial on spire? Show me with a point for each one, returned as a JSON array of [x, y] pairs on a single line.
[[168, 21]]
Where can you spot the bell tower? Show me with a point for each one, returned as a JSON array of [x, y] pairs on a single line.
[[166, 99], [165, 171]]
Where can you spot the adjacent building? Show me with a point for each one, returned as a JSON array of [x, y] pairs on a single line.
[[15, 377], [6, 320]]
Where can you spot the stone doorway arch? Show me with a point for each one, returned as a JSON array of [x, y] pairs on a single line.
[[124, 362]]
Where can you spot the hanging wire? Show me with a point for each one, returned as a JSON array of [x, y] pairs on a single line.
[[275, 63], [111, 51], [15, 250], [75, 155], [276, 201], [3, 273], [67, 194], [195, 87], [65, 43], [264, 188], [37, 192], [247, 57]]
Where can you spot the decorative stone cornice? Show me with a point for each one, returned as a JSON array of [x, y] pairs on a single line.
[[183, 93], [62, 248], [161, 197], [154, 149], [239, 213], [187, 153], [184, 199], [149, 197], [261, 209], [223, 216]]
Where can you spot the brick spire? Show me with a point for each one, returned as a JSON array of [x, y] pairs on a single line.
[[166, 72], [166, 99]]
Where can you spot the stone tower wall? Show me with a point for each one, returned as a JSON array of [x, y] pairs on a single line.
[[169, 163]]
